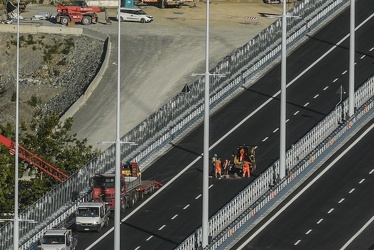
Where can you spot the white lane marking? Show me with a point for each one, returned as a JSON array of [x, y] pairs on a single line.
[[356, 234], [175, 216], [275, 130], [319, 221], [335, 79], [310, 230], [362, 57], [197, 197], [361, 181], [296, 112], [254, 234], [287, 120], [211, 185], [297, 242], [227, 134], [344, 72], [315, 96], [342, 199], [137, 248], [325, 87], [306, 104], [186, 207], [150, 237], [265, 139], [329, 212], [371, 171], [371, 49], [351, 190], [161, 227]]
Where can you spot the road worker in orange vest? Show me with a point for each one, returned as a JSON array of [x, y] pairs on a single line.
[[218, 168], [246, 168]]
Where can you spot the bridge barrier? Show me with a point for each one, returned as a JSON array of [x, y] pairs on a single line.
[[181, 114]]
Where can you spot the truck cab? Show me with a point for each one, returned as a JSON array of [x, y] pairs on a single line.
[[58, 239], [91, 216]]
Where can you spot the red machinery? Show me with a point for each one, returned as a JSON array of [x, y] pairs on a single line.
[[34, 159], [78, 13], [132, 187]]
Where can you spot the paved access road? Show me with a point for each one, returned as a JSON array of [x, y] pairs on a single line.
[[333, 210], [175, 212]]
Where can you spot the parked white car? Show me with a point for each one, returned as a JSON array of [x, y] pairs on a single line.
[[134, 15]]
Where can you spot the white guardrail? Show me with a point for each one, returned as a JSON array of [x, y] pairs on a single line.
[[176, 118]]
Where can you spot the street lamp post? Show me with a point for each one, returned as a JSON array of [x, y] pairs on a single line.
[[16, 219], [351, 96]]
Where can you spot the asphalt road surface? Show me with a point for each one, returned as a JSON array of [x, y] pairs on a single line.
[[332, 210], [175, 212]]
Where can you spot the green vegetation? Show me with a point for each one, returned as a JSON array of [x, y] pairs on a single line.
[[49, 139], [34, 101]]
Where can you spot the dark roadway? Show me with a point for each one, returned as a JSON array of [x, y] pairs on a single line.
[[331, 211], [173, 214]]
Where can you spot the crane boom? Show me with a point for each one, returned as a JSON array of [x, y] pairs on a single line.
[[34, 159]]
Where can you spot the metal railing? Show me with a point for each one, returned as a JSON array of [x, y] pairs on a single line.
[[178, 116]]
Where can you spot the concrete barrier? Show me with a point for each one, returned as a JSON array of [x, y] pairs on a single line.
[[34, 29]]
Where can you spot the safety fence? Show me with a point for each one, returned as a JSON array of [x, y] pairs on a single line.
[[242, 67], [237, 215]]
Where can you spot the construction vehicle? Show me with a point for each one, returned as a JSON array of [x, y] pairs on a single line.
[[34, 159], [80, 12], [58, 239], [243, 153], [91, 216], [133, 188], [163, 3]]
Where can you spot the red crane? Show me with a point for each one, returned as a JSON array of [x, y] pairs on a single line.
[[34, 159]]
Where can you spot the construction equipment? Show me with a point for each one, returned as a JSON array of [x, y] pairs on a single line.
[[34, 159], [163, 3], [243, 153], [133, 188], [58, 239], [80, 12]]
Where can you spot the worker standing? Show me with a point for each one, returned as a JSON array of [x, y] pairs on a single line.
[[241, 154], [246, 169], [218, 168], [226, 167], [214, 159]]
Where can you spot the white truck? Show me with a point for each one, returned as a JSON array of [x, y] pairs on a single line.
[[91, 216], [58, 239]]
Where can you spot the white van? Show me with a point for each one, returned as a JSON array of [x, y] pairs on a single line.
[[134, 15]]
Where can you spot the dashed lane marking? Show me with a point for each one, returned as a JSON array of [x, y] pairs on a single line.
[[352, 190], [362, 57], [296, 112], [210, 186], [137, 248], [306, 104], [335, 79], [275, 130], [265, 139], [325, 87], [341, 200], [150, 237], [371, 171], [197, 197], [297, 242], [371, 49], [161, 227], [186, 206], [315, 96], [318, 222], [344, 72], [329, 212], [361, 181], [310, 230], [175, 216]]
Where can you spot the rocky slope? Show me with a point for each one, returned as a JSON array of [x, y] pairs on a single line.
[[54, 71]]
